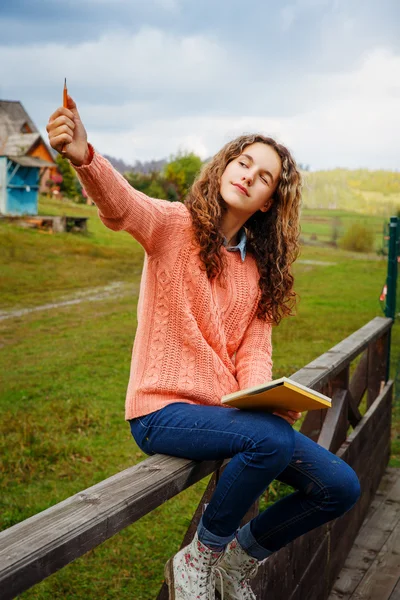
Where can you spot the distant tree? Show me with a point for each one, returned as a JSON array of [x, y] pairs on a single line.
[[69, 185], [336, 227], [172, 183], [152, 184], [180, 173]]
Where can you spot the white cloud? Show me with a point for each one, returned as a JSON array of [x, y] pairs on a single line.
[[151, 58], [351, 121], [150, 94]]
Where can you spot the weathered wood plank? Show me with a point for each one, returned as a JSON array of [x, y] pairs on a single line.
[[313, 422], [359, 381], [389, 479], [354, 414], [360, 559], [336, 596], [370, 539], [311, 584], [381, 578], [379, 526], [350, 451], [377, 359], [334, 428], [350, 576], [39, 546], [395, 595]]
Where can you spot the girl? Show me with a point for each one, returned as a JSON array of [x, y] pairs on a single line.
[[216, 276]]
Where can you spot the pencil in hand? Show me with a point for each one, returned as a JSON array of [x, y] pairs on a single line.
[[65, 104], [65, 94]]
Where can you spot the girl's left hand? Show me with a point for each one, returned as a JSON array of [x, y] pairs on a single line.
[[291, 416]]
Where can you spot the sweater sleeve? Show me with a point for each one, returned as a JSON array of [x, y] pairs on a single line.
[[120, 206], [254, 355]]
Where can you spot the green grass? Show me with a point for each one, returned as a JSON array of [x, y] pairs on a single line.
[[38, 267], [64, 376], [322, 223]]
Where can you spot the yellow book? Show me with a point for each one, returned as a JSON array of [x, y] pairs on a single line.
[[278, 394]]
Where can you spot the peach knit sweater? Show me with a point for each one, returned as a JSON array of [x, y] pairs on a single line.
[[196, 340]]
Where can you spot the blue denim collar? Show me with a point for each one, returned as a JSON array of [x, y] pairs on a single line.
[[241, 246]]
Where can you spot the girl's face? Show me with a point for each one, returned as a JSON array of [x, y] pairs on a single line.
[[249, 181]]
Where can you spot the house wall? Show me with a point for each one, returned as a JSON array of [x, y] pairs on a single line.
[[3, 188], [22, 190], [40, 151]]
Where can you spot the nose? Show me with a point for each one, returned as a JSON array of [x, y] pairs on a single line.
[[248, 177]]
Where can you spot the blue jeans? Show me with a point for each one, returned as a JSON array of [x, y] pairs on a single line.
[[262, 447]]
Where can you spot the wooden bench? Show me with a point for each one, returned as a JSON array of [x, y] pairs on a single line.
[[53, 224]]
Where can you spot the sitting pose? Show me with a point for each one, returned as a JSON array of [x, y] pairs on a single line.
[[216, 277]]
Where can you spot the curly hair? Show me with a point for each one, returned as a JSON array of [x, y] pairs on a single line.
[[272, 236]]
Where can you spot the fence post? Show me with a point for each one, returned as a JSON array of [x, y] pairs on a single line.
[[394, 252]]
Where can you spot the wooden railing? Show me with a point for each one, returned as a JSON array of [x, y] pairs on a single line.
[[305, 569]]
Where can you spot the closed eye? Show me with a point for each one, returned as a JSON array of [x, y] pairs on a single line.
[[263, 179]]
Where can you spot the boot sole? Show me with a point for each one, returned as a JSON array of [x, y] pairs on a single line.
[[169, 578]]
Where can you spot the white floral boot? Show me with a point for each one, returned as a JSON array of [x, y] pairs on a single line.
[[236, 568], [190, 574]]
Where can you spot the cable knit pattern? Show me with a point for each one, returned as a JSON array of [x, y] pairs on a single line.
[[196, 339]]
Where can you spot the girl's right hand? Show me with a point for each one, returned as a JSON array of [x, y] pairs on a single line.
[[67, 134], [291, 416]]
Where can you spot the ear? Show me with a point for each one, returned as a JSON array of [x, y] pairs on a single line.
[[267, 205]]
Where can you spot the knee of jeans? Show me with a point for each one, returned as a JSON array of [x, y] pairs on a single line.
[[345, 491], [281, 443]]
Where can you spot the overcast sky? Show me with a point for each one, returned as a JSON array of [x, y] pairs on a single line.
[[153, 77]]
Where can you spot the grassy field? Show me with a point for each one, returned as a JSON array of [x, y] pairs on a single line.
[[65, 370], [323, 223]]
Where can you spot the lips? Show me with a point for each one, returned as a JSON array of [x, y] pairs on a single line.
[[241, 188]]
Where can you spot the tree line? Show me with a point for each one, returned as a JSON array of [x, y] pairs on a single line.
[[170, 182]]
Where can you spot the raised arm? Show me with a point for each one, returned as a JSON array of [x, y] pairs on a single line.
[[120, 206]]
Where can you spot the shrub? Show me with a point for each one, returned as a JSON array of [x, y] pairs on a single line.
[[358, 238]]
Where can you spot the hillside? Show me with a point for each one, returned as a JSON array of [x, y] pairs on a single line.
[[361, 191]]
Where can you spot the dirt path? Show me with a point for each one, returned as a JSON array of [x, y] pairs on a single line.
[[117, 289], [322, 263]]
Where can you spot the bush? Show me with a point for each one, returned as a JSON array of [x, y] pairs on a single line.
[[69, 185], [358, 238]]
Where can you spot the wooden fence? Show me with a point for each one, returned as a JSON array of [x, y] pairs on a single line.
[[305, 569]]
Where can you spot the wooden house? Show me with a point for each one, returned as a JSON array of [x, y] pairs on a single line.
[[26, 161]]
